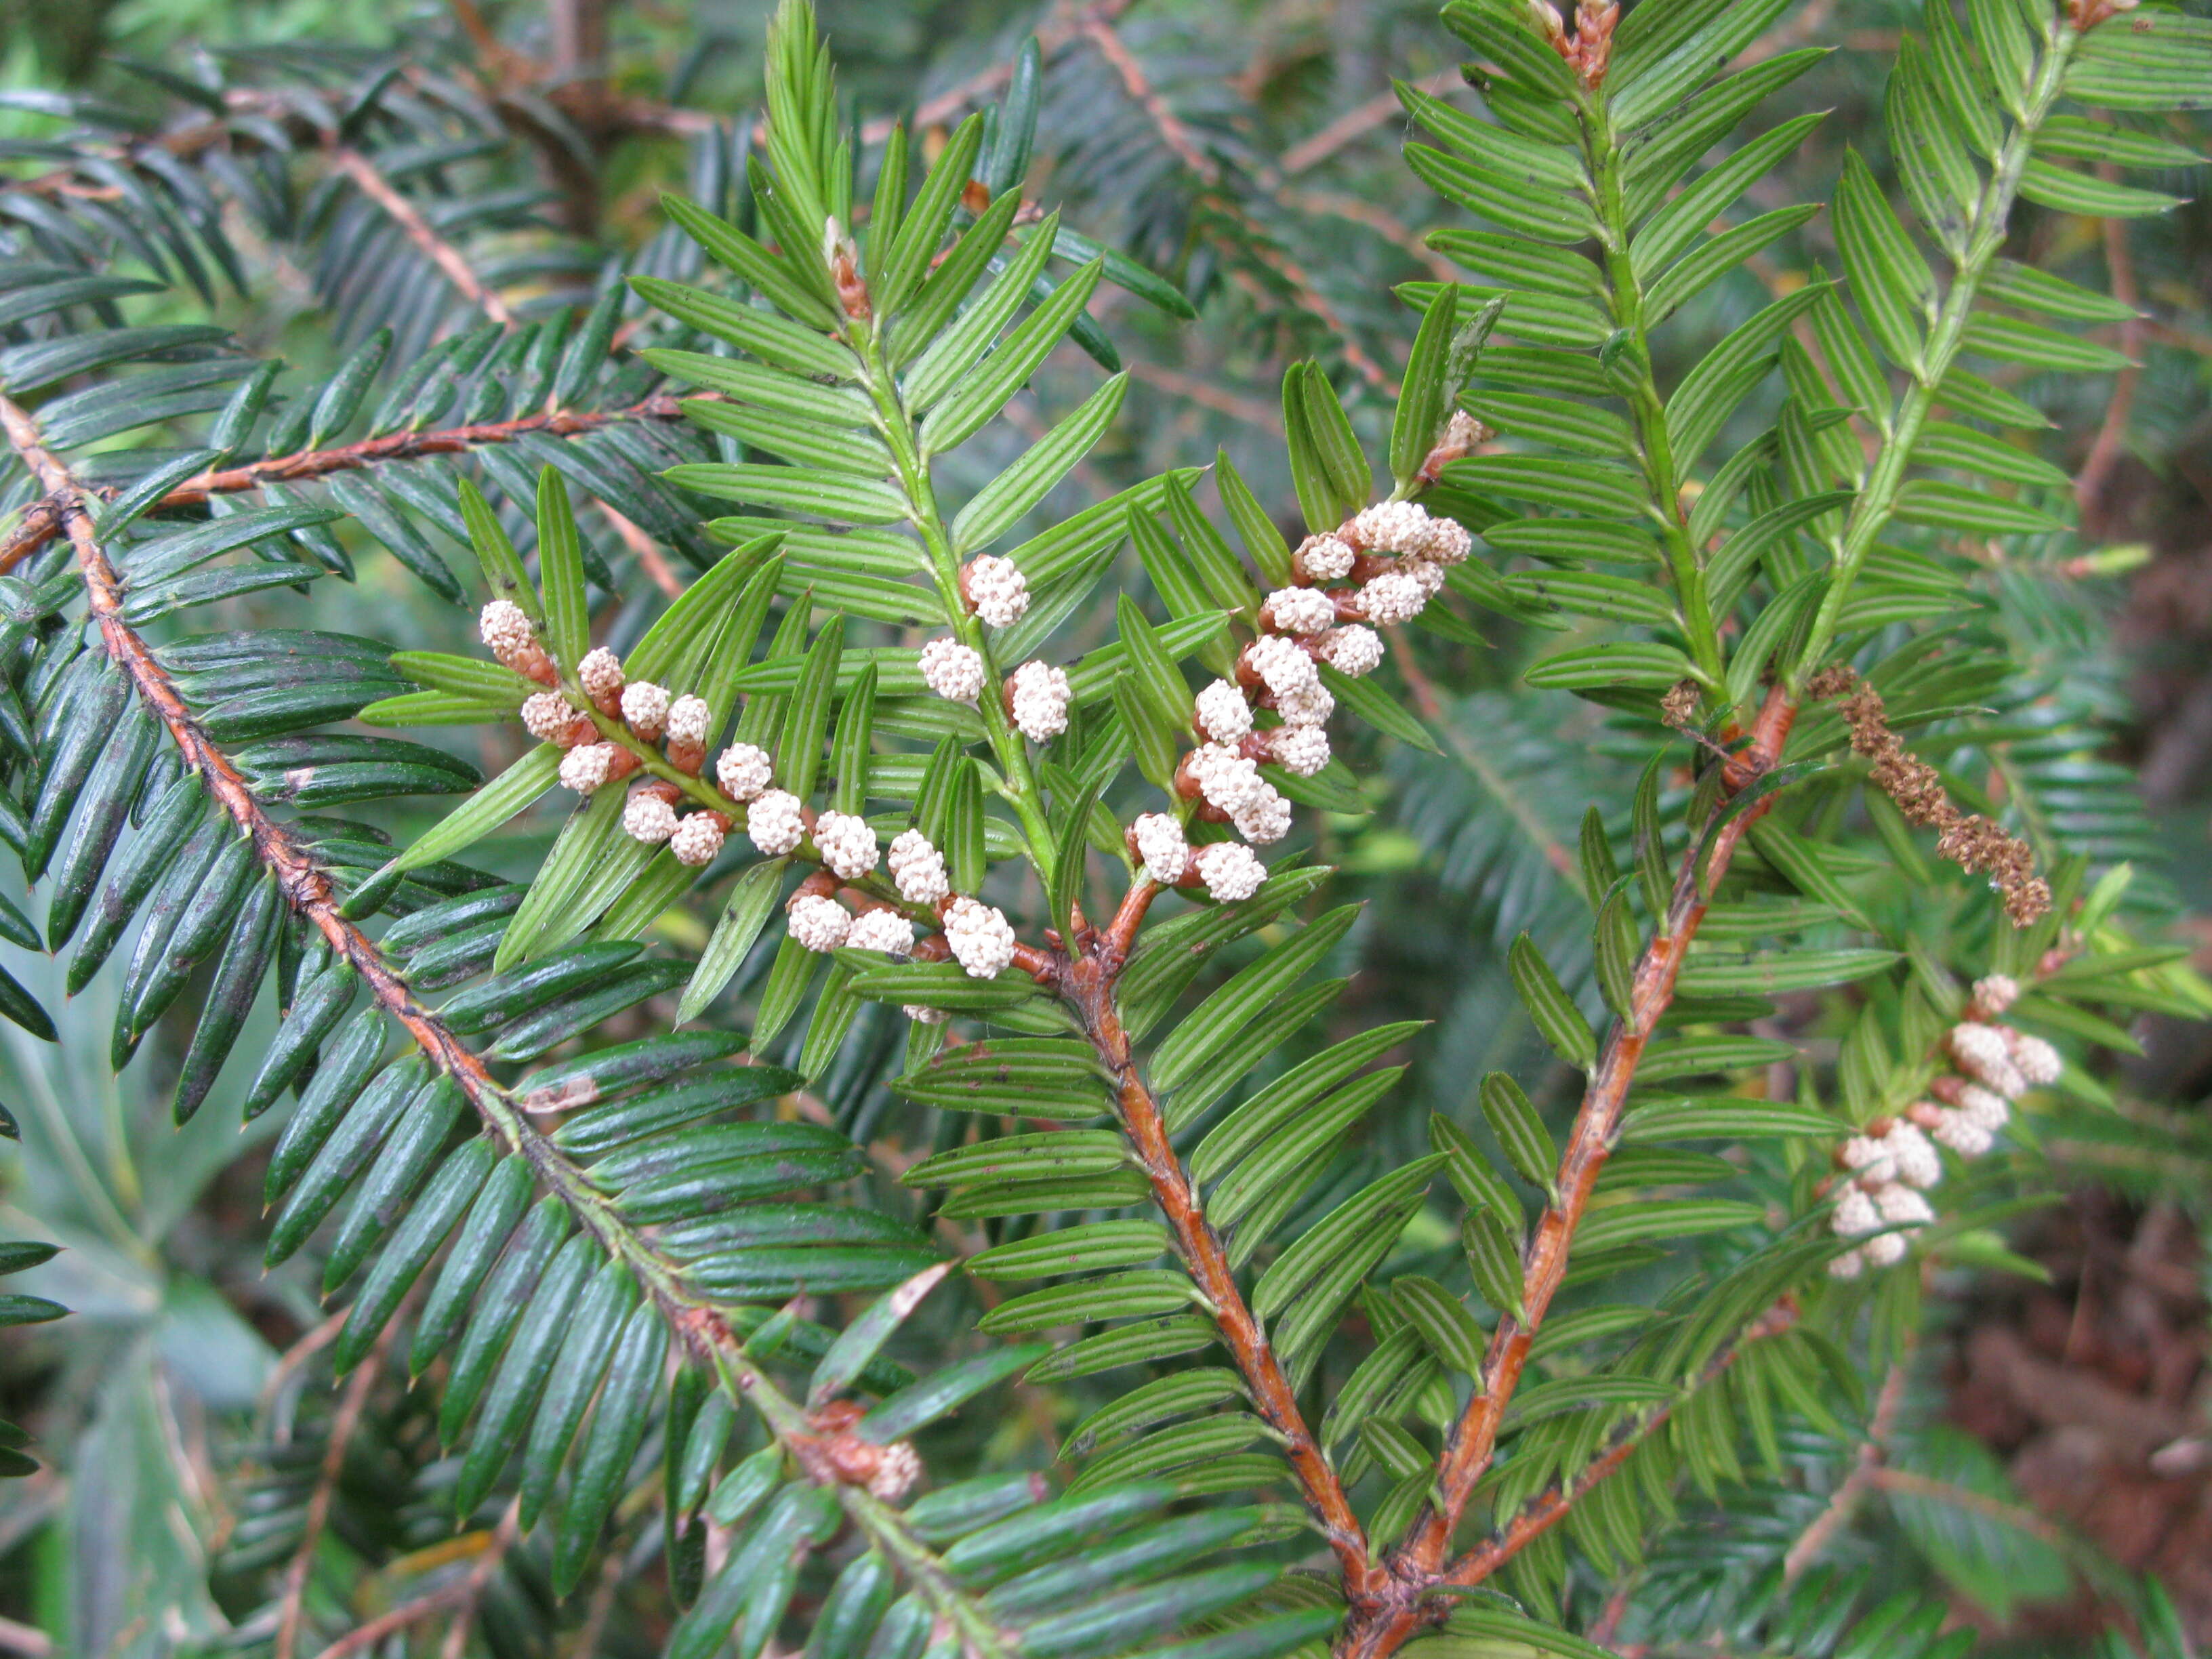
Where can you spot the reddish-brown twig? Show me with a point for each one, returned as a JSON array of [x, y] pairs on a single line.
[[1550, 1507], [1808, 1543], [2105, 454], [1180, 139], [1088, 983], [308, 464], [1206, 395], [459, 1592], [644, 549], [1360, 119], [1173, 130], [1467, 1451], [418, 230]]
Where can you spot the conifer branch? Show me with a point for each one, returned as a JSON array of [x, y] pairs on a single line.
[[417, 229], [1466, 1452], [42, 521], [1090, 981], [695, 1321]]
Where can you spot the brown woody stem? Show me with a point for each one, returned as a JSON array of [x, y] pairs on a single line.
[[42, 521], [418, 230], [1550, 1507], [1089, 984], [696, 1322], [1422, 1555]]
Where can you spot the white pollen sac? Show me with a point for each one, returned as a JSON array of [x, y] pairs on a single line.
[[1886, 1249], [1917, 1162], [1282, 666], [1849, 1265], [881, 930], [1864, 1155], [744, 771], [1996, 993], [1232, 872], [2037, 1061], [1224, 715], [918, 869], [1040, 695], [1324, 558], [1301, 610], [1229, 780], [1354, 652], [648, 818], [698, 840], [547, 716], [997, 590], [896, 1470], [1975, 1046], [1301, 751], [1983, 1054], [922, 1016], [818, 923], [1962, 1135], [1901, 1206], [846, 844], [981, 938], [687, 721], [600, 673], [504, 627], [1985, 1108], [1391, 527], [1162, 846], [953, 670], [645, 709], [1854, 1214], [1395, 596], [1311, 707], [584, 768], [1448, 543], [775, 823], [1266, 820]]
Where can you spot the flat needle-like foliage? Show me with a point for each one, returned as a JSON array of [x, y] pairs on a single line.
[[896, 1169]]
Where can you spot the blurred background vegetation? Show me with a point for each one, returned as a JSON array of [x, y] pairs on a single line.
[[2046, 1441]]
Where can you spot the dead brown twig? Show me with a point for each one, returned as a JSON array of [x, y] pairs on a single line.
[[460, 1592], [41, 526], [1357, 121], [352, 1404], [644, 549], [418, 230], [1177, 135], [1864, 1466], [2090, 483], [1206, 395]]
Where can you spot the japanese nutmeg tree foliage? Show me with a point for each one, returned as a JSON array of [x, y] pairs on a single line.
[[927, 1013]]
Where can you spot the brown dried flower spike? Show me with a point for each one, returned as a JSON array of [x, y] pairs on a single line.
[[1967, 839]]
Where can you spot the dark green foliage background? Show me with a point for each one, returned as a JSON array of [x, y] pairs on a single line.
[[167, 1424]]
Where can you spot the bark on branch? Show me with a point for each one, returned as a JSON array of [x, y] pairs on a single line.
[[1467, 1453], [1089, 979], [42, 521], [435, 248]]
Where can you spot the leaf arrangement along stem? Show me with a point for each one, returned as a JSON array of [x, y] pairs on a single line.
[[1878, 495], [307, 889], [41, 521], [889, 644], [1090, 985], [1394, 1597]]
